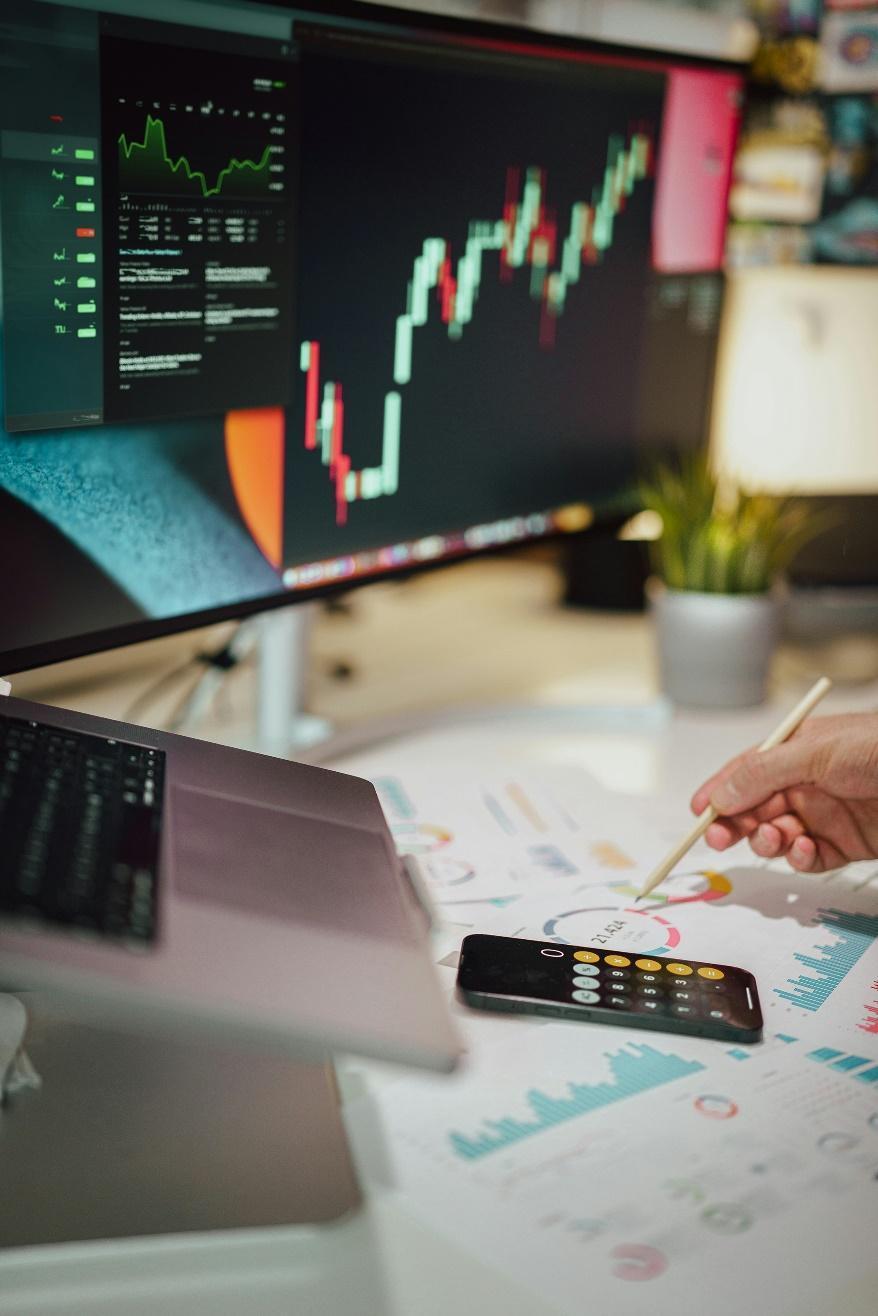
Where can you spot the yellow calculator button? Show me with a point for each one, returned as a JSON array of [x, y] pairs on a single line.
[[708, 971], [617, 961], [679, 970], [586, 956], [648, 966]]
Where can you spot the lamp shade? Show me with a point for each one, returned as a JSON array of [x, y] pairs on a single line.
[[796, 397]]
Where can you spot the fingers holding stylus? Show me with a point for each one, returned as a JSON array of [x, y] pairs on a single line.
[[752, 823], [812, 800], [741, 788], [751, 780], [767, 838]]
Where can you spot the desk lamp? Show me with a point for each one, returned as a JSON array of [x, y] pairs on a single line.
[[796, 412]]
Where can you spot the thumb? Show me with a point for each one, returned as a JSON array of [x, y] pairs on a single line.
[[757, 776]]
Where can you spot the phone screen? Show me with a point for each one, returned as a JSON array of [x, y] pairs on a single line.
[[609, 986]]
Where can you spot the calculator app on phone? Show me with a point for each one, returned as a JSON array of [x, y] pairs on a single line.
[[593, 984]]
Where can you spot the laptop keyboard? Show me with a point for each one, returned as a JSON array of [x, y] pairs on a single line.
[[80, 822]]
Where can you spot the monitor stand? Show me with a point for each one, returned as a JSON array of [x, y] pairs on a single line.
[[281, 721], [133, 1135], [280, 639]]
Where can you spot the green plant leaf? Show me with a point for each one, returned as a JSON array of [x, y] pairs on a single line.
[[722, 540]]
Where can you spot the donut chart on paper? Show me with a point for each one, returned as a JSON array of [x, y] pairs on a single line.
[[640, 930], [716, 1107], [638, 1261], [710, 886], [420, 837]]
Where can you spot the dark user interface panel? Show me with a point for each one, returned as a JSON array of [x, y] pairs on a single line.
[[148, 188]]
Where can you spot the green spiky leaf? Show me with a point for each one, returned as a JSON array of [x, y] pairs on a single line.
[[717, 538]]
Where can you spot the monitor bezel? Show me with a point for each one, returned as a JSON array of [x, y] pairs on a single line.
[[532, 41], [535, 39]]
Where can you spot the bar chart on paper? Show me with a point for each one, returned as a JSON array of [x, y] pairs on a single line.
[[860, 1067], [634, 1068], [849, 937]]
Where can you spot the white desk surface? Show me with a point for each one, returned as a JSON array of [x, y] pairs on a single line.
[[584, 687]]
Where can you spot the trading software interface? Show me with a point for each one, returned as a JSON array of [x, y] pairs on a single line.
[[309, 299]]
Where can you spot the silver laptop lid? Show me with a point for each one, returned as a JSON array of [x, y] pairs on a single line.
[[284, 915]]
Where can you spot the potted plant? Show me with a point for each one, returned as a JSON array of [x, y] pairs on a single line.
[[719, 560]]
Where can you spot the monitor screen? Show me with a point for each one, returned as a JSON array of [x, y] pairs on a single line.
[[292, 300]]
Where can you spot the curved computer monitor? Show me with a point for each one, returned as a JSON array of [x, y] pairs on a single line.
[[293, 300]]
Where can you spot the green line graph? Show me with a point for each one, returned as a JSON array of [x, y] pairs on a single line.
[[148, 165]]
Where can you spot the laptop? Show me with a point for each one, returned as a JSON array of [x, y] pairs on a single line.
[[194, 930], [163, 881]]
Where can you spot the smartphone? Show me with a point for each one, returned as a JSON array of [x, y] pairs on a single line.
[[596, 985]]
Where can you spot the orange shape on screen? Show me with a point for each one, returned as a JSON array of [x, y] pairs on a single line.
[[255, 458]]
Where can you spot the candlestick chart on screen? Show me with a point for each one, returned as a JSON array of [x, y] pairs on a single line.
[[526, 237], [473, 301]]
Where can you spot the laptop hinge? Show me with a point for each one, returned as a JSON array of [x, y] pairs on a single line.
[[414, 878]]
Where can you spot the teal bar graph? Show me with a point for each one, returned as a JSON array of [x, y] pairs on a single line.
[[635, 1069], [846, 1064], [852, 935], [849, 1062]]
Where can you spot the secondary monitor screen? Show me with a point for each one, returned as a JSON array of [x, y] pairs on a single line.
[[291, 300]]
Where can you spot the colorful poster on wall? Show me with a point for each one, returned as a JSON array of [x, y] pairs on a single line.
[[849, 51]]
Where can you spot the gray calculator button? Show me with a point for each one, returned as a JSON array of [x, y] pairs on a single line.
[[586, 998], [719, 1013], [586, 970], [683, 1009]]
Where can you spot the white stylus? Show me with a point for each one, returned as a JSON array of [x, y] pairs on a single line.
[[778, 735]]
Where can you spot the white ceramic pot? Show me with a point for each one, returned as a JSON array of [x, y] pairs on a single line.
[[714, 650]]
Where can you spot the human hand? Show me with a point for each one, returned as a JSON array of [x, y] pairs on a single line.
[[813, 799]]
